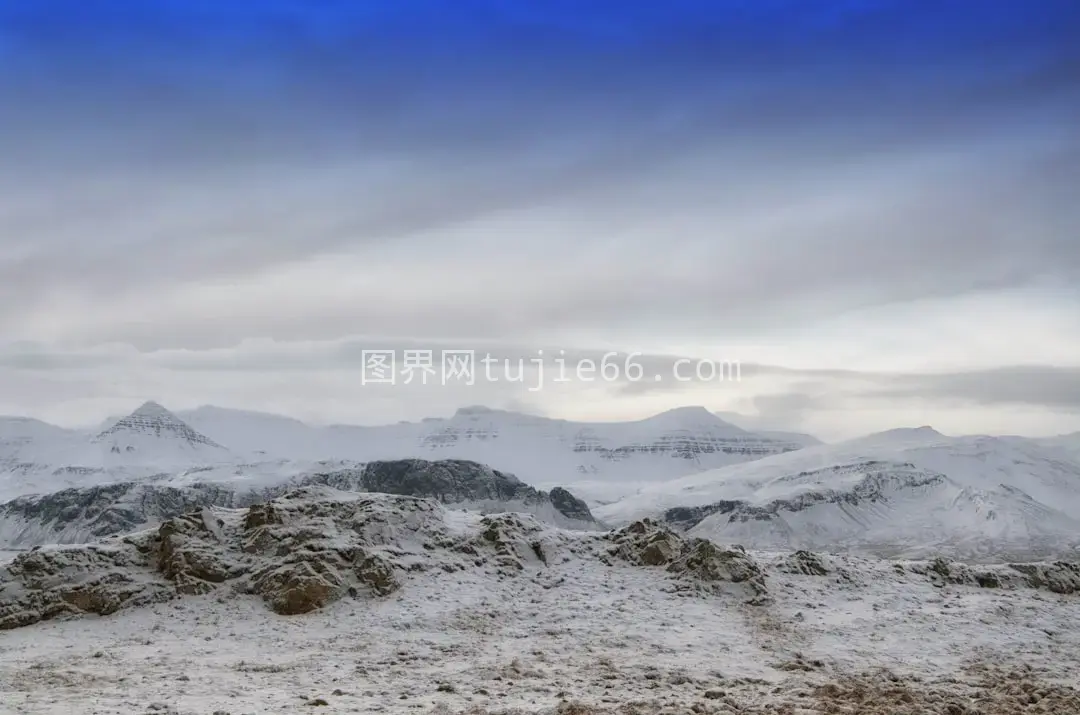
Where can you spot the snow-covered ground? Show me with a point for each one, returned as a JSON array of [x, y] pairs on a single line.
[[875, 637], [599, 636]]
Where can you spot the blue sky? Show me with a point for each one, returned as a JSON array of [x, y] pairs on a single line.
[[872, 200]]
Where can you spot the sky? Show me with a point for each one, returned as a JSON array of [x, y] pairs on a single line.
[[869, 205]]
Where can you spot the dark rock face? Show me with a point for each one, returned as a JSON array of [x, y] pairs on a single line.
[[569, 506], [450, 481], [453, 481], [87, 514]]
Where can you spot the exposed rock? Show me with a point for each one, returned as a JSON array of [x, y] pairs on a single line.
[[190, 553], [714, 567], [1060, 577], [313, 546], [300, 553], [806, 563], [48, 583], [516, 541], [1057, 577], [699, 563], [569, 506]]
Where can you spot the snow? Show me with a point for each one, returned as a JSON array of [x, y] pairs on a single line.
[[604, 461], [570, 626], [602, 636], [978, 494]]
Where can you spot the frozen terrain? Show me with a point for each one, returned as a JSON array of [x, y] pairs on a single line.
[[901, 493], [503, 615]]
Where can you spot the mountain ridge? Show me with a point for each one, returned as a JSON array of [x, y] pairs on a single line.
[[605, 459], [901, 492]]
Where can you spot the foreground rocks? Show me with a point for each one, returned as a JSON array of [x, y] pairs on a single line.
[[316, 545], [300, 552], [700, 563]]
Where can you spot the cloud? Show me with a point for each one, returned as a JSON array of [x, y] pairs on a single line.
[[1057, 388], [200, 195]]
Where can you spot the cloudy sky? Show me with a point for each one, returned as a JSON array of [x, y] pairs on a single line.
[[871, 205]]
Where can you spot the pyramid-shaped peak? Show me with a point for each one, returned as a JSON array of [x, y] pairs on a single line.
[[695, 414], [697, 411], [471, 410], [152, 420], [153, 409]]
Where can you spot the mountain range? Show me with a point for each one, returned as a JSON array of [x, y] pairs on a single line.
[[604, 461], [904, 492]]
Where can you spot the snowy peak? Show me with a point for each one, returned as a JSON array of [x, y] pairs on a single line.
[[902, 435], [694, 419], [151, 420]]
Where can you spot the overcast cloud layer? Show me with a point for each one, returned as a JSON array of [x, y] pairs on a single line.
[[870, 204]]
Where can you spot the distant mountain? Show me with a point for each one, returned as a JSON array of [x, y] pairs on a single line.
[[750, 423], [1068, 442], [255, 433], [600, 461], [603, 461], [37, 457], [151, 429], [903, 492]]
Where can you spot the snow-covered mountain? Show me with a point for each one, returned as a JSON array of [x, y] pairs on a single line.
[[37, 457], [902, 492], [753, 424], [603, 461], [152, 433], [1068, 442], [68, 485]]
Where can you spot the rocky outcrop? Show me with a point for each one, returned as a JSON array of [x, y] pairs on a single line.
[[92, 513], [316, 545], [43, 584], [1061, 577], [299, 553], [457, 481], [1057, 577], [700, 564], [570, 506], [806, 563]]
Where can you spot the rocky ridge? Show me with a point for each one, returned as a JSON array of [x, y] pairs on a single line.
[[85, 514], [316, 545], [311, 547]]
